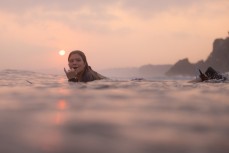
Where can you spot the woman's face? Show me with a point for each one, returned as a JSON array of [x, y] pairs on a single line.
[[76, 62]]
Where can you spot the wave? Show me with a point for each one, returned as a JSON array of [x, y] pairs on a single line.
[[14, 77]]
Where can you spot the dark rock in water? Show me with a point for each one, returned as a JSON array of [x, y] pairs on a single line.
[[137, 79], [218, 59]]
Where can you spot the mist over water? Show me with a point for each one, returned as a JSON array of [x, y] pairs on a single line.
[[43, 113]]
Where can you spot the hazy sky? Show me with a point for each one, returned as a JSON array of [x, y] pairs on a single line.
[[112, 33]]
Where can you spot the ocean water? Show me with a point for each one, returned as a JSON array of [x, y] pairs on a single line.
[[42, 113]]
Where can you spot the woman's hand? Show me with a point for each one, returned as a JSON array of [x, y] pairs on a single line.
[[71, 74]]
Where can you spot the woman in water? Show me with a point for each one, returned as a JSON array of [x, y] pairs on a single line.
[[79, 69]]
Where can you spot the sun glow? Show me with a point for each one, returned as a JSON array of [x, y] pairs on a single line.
[[62, 52]]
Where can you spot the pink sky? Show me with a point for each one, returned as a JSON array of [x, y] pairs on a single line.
[[112, 33]]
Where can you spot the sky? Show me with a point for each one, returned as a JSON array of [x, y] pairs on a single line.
[[112, 33]]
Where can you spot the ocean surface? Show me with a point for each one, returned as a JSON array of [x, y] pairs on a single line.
[[41, 113]]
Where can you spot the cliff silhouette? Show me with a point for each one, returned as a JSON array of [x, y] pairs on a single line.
[[218, 59]]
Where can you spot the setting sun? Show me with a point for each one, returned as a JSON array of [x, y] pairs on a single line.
[[62, 52]]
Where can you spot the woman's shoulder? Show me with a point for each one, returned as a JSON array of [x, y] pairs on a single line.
[[91, 75]]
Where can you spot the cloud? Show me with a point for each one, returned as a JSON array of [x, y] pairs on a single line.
[[104, 15], [64, 5], [88, 14], [100, 13], [98, 5], [100, 10]]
